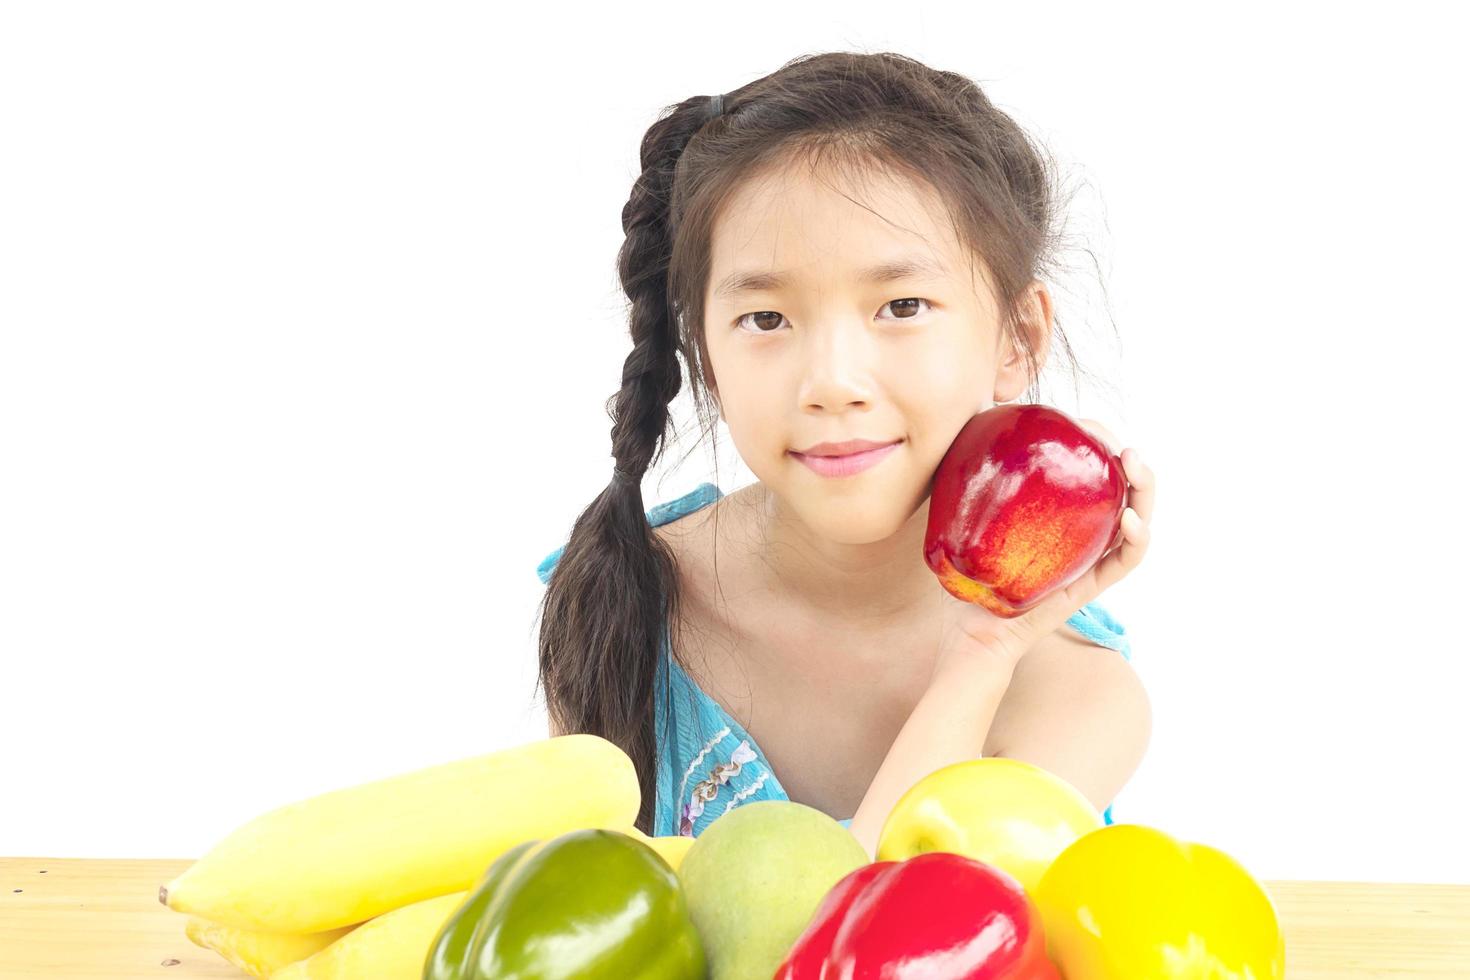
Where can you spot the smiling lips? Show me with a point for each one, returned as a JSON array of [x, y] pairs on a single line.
[[850, 462], [844, 448]]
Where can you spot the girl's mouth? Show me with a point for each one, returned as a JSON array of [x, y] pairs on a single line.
[[838, 466]]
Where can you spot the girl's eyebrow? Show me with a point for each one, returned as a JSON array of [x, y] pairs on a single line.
[[905, 267]]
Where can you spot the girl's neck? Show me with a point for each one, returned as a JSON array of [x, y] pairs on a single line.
[[876, 584]]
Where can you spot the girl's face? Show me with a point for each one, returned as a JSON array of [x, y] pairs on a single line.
[[806, 344]]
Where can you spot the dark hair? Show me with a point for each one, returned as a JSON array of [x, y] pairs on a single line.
[[615, 589]]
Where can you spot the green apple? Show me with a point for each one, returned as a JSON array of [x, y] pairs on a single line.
[[754, 878]]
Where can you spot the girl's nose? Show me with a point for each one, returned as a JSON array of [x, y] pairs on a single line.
[[838, 364]]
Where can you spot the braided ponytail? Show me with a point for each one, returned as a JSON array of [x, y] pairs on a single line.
[[612, 592]]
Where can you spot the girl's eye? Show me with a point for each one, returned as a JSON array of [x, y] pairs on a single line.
[[910, 300], [899, 303]]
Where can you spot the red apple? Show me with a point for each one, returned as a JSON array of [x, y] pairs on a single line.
[[1024, 503]]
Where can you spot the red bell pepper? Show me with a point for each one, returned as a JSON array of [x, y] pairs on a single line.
[[935, 916]]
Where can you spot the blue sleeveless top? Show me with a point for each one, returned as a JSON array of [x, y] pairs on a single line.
[[708, 763]]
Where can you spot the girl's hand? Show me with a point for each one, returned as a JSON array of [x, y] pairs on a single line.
[[971, 632]]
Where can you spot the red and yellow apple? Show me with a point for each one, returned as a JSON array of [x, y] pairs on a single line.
[[1025, 501]]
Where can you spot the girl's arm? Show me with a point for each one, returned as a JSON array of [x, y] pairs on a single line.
[[978, 654], [949, 724]]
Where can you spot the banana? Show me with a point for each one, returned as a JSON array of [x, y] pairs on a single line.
[[258, 953], [395, 942], [392, 946], [352, 854]]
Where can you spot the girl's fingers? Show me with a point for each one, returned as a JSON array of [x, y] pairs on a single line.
[[1140, 477], [1127, 556], [1140, 484], [1110, 568], [1131, 543]]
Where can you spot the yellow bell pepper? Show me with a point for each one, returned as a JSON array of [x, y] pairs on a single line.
[[1128, 902]]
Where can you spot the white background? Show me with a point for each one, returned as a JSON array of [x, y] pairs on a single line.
[[310, 316]]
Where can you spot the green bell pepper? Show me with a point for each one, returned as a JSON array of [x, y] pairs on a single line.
[[587, 905]]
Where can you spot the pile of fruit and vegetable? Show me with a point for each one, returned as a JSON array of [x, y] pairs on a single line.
[[524, 863]]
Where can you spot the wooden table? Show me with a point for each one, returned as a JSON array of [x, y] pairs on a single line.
[[80, 918]]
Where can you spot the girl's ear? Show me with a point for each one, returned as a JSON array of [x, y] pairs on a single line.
[[1013, 373]]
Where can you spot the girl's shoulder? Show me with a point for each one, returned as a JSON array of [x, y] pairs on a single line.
[[1098, 625], [658, 515]]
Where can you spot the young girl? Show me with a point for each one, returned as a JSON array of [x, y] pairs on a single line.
[[847, 249]]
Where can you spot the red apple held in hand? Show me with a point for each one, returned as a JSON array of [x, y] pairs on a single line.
[[1024, 503]]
